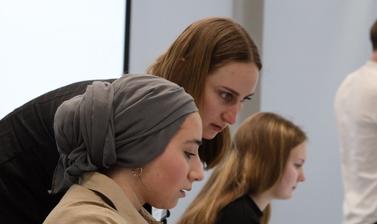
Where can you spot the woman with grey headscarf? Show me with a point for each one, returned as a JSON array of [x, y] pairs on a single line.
[[122, 145]]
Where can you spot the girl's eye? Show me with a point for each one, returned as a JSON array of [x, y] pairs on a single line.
[[298, 166]]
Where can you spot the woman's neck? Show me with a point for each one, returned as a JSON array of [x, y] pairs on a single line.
[[261, 200], [129, 185], [374, 56]]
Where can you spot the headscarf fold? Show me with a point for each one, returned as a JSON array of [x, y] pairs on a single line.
[[126, 123]]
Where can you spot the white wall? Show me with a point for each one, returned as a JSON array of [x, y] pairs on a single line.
[[156, 24], [45, 44], [309, 47]]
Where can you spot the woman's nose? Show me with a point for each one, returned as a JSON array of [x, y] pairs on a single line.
[[197, 171], [230, 115], [301, 177]]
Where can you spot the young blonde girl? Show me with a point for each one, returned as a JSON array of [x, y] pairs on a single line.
[[265, 163]]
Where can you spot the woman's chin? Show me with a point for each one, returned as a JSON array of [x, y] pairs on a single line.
[[209, 135]]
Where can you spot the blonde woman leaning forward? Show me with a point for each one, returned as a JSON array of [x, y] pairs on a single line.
[[216, 61], [266, 163]]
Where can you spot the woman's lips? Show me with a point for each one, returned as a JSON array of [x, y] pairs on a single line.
[[182, 193], [216, 127]]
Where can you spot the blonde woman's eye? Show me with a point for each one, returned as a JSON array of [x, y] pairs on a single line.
[[227, 97], [298, 166], [247, 98]]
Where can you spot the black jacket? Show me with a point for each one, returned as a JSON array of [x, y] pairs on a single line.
[[28, 156]]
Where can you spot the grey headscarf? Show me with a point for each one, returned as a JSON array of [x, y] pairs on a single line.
[[126, 123]]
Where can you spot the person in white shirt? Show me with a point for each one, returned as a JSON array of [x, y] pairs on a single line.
[[356, 115]]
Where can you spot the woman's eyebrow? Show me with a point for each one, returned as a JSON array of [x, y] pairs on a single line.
[[236, 93], [194, 141]]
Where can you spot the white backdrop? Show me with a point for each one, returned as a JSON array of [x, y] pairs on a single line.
[[45, 44]]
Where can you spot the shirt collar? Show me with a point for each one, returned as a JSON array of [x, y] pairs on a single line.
[[105, 185], [371, 64]]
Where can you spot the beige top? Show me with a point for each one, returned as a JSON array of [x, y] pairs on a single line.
[[98, 199]]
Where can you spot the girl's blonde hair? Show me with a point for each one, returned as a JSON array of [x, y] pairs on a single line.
[[257, 160]]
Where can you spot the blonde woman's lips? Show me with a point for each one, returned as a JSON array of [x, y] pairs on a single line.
[[216, 127]]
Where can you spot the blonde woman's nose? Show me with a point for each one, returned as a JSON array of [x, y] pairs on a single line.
[[230, 115]]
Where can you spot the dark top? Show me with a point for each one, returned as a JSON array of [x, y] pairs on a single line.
[[28, 157], [241, 210]]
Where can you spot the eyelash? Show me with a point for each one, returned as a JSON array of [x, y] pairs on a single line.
[[298, 166], [226, 96], [247, 98], [229, 97], [189, 155]]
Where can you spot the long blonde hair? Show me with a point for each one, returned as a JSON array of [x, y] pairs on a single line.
[[199, 50], [256, 162]]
